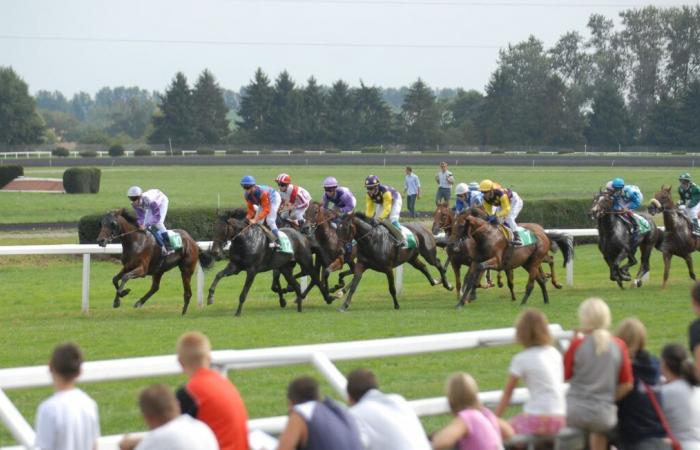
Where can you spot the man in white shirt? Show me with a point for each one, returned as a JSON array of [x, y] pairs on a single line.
[[68, 420], [387, 421], [445, 180], [411, 188], [169, 428]]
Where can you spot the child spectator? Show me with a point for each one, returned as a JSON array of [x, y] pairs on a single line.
[[540, 367], [68, 420], [387, 421], [169, 428], [599, 371], [474, 426], [639, 427], [681, 396], [209, 396], [694, 329], [316, 424]]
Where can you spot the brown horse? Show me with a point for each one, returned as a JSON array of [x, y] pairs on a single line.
[[677, 239], [490, 249], [141, 256]]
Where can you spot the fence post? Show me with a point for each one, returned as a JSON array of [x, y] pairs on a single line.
[[570, 273], [303, 283], [86, 283], [398, 279], [200, 286], [15, 422]]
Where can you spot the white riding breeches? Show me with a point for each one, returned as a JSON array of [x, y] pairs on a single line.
[[395, 210], [148, 219], [516, 205], [692, 213], [294, 214], [271, 219]]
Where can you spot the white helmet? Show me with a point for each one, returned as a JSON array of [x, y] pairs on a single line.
[[609, 186], [462, 188], [473, 186], [134, 191]]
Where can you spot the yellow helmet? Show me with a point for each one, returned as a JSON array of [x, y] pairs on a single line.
[[485, 185]]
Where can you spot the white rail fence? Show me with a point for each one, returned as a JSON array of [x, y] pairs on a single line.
[[321, 356], [86, 250]]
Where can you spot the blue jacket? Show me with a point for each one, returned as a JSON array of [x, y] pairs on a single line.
[[474, 198], [630, 197]]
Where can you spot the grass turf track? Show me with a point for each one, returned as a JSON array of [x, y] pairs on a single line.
[[199, 185]]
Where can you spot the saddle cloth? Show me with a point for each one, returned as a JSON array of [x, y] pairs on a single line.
[[526, 236], [285, 243], [408, 237], [643, 224], [174, 239]]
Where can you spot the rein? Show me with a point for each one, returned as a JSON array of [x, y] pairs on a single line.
[[117, 236]]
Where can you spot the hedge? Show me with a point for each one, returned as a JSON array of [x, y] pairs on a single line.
[[81, 180], [9, 173], [199, 222], [60, 151], [88, 154], [142, 152], [116, 151], [205, 151]]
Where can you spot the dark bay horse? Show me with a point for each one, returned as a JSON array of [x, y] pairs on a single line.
[[250, 252], [376, 251], [677, 238], [141, 256], [490, 249], [614, 240]]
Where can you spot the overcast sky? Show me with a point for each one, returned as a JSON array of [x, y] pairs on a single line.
[[84, 45]]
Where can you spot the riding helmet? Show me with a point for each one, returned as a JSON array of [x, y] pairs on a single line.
[[486, 185], [248, 181], [473, 186], [618, 183], [462, 188], [371, 181], [684, 177], [134, 191], [283, 178], [330, 182]]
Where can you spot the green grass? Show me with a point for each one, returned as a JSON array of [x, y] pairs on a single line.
[[202, 185], [41, 307]]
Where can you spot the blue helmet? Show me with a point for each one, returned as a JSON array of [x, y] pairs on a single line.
[[248, 181], [371, 181], [618, 183]]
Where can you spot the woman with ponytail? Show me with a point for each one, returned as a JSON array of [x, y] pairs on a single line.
[[599, 371], [681, 396]]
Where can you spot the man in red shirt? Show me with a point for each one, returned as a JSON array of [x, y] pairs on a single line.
[[209, 396]]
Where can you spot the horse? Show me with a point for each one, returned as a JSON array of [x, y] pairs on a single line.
[[141, 256], [678, 238], [250, 252], [491, 249], [614, 240], [376, 251]]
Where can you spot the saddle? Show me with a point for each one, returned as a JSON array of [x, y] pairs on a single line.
[[526, 236]]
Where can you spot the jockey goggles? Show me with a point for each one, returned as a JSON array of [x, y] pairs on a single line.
[[282, 184], [330, 189], [133, 199]]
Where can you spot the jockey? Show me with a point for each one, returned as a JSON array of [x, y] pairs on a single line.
[[468, 196], [508, 202], [151, 208], [627, 198], [341, 197], [295, 200], [690, 200], [390, 201], [268, 201]]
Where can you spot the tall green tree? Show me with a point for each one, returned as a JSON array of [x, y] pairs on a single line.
[[19, 121], [608, 123], [52, 101], [285, 114], [313, 113], [421, 116], [256, 106], [372, 116], [462, 117], [665, 125], [81, 104], [340, 115], [682, 34], [210, 109], [176, 120], [497, 114], [690, 115]]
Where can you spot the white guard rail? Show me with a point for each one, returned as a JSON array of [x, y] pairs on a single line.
[[321, 356]]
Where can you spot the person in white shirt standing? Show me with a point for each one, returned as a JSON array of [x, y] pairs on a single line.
[[411, 187], [295, 200], [68, 420], [445, 180], [386, 421], [169, 428]]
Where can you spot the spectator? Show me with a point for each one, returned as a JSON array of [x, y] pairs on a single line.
[[694, 330], [639, 427], [540, 367], [209, 396], [68, 420], [169, 428], [387, 421], [599, 371], [411, 187], [316, 424], [445, 180], [681, 396], [474, 426]]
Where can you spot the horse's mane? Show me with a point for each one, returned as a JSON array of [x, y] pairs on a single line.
[[362, 216], [127, 216], [238, 213]]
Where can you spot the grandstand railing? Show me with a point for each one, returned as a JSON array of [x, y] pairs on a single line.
[[321, 356]]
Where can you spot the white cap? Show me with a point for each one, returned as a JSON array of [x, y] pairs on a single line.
[[462, 188], [134, 191]]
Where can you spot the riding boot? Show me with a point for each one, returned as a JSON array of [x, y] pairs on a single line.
[[696, 228], [395, 232], [517, 242], [165, 241], [275, 243]]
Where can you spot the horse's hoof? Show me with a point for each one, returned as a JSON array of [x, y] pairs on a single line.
[[138, 304], [283, 303], [329, 300], [434, 282], [500, 285], [557, 285], [238, 314], [339, 294], [449, 287], [342, 309], [116, 304], [638, 283], [210, 300], [123, 293]]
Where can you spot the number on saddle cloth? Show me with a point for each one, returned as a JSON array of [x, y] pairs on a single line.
[[527, 237], [642, 224], [409, 237], [285, 243]]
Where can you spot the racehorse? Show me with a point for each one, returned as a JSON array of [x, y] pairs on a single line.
[[250, 252], [614, 240], [491, 249], [376, 251], [141, 256], [678, 238]]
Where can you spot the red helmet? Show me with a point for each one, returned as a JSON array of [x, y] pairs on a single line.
[[283, 178]]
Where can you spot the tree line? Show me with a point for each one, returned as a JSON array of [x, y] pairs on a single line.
[[639, 84]]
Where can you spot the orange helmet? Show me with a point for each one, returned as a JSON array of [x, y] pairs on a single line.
[[283, 178]]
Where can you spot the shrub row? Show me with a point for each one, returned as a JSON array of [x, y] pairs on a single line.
[[9, 173], [61, 152], [82, 180]]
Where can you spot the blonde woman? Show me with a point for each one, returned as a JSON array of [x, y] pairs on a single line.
[[539, 366], [599, 372], [474, 426]]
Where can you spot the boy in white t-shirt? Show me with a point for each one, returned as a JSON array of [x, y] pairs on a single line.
[[68, 420]]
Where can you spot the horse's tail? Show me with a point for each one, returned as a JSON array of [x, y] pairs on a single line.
[[206, 259], [565, 242]]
